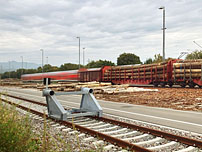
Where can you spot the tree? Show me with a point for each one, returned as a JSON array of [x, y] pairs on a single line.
[[148, 61], [99, 63], [127, 59], [194, 55], [49, 68], [157, 58], [69, 66]]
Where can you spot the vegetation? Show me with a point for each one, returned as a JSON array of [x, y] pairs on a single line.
[[148, 61], [157, 59], [195, 55], [99, 63], [16, 134], [127, 59]]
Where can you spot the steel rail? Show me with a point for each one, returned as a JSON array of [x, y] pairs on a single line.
[[185, 140], [113, 140]]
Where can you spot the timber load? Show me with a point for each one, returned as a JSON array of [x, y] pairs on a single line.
[[187, 70]]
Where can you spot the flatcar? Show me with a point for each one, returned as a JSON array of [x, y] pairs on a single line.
[[156, 74]]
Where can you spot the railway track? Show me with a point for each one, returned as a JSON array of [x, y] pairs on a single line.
[[118, 133]]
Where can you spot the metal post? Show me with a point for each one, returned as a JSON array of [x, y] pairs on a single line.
[[42, 59], [9, 74], [22, 65], [164, 28], [79, 50], [47, 60], [83, 57]]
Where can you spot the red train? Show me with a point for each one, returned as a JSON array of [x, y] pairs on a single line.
[[166, 73], [59, 75]]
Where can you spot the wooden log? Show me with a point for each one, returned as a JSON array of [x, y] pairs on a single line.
[[141, 76], [194, 65], [188, 61], [187, 70], [188, 75], [141, 68]]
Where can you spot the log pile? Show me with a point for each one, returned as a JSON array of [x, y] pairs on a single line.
[[137, 72], [116, 89], [10, 82], [188, 69]]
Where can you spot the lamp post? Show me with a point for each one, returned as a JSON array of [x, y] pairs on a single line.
[[164, 28], [47, 60], [9, 64], [22, 65], [79, 50], [83, 57], [42, 59]]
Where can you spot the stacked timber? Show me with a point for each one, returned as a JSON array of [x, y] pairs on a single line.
[[187, 69], [147, 71]]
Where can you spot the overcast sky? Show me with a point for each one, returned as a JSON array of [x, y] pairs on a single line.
[[107, 28]]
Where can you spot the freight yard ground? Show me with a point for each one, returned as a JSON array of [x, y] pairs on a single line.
[[165, 97], [175, 98]]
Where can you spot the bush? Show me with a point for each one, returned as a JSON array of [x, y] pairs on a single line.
[[16, 133]]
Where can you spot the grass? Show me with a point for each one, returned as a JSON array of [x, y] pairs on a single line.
[[15, 131], [17, 135]]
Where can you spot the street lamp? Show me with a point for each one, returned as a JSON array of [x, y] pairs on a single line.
[[47, 60], [163, 8], [42, 59], [22, 65], [83, 57], [79, 50]]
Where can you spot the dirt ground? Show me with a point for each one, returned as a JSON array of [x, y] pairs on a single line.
[[175, 98]]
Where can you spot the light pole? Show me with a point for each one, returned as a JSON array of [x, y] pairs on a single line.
[[83, 57], [42, 59], [22, 65], [47, 60], [164, 28], [9, 64], [79, 50]]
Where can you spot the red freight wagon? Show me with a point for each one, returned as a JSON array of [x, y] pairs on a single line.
[[93, 74], [159, 73]]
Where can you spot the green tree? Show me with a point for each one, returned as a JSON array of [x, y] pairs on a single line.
[[99, 63], [127, 59], [49, 68], [194, 55], [157, 58], [148, 61], [69, 66]]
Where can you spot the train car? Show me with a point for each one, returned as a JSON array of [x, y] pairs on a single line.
[[156, 74], [93, 74], [71, 75], [187, 72]]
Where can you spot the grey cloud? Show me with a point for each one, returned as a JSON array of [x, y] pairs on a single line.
[[107, 28]]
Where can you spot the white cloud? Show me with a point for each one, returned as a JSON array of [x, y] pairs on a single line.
[[107, 28]]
